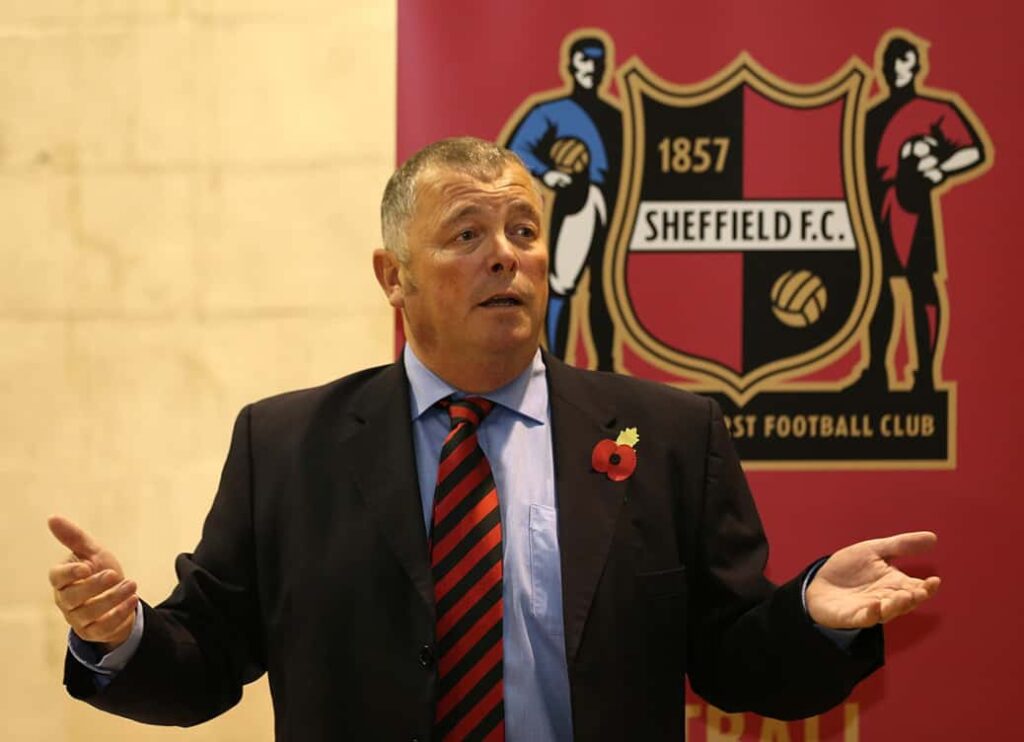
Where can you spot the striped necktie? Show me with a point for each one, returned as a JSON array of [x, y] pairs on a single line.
[[465, 555]]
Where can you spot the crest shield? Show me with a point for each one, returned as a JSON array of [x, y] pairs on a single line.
[[740, 258]]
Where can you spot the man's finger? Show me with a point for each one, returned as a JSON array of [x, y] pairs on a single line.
[[902, 602], [82, 591], [122, 618], [65, 573], [865, 617], [905, 544], [93, 609], [925, 590], [113, 626], [73, 537], [896, 605]]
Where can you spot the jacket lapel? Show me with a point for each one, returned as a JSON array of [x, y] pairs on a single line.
[[588, 502], [385, 473]]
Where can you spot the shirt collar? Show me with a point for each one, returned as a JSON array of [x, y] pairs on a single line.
[[527, 394]]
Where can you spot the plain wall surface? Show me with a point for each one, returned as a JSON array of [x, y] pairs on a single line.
[[189, 199]]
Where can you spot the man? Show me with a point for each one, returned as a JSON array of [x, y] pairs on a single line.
[[573, 144], [913, 143], [436, 549]]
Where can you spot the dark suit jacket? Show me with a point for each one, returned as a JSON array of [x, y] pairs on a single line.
[[313, 566]]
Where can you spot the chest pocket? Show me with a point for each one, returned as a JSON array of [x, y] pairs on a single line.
[[545, 570]]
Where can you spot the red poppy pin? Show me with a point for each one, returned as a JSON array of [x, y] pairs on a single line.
[[616, 459]]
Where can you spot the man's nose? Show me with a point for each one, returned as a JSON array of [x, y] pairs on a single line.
[[504, 256]]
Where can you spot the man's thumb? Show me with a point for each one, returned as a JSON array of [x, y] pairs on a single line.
[[73, 537], [907, 544]]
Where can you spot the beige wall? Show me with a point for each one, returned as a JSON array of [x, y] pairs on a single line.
[[188, 199]]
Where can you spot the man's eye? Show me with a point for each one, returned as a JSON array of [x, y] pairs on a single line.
[[465, 235], [526, 231]]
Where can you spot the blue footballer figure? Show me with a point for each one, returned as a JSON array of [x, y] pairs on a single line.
[[571, 141]]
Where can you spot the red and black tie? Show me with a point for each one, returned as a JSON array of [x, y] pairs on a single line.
[[465, 555]]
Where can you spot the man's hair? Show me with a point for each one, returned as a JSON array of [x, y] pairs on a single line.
[[586, 44], [477, 158]]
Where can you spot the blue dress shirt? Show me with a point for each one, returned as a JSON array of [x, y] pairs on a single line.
[[516, 438]]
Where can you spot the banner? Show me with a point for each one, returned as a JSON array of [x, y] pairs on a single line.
[[795, 210]]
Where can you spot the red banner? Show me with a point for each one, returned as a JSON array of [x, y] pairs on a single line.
[[797, 210]]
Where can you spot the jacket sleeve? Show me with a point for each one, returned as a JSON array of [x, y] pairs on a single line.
[[204, 642], [751, 645]]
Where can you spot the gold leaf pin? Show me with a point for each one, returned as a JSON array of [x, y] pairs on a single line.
[[628, 437]]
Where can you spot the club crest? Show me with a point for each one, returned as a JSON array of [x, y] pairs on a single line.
[[774, 245]]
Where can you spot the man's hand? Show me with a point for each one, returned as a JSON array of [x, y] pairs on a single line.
[[556, 179], [858, 588], [90, 589]]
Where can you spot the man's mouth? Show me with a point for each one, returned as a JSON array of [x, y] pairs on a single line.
[[502, 300]]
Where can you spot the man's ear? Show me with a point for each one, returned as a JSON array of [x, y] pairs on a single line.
[[387, 269]]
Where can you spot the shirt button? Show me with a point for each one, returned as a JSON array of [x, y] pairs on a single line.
[[426, 656]]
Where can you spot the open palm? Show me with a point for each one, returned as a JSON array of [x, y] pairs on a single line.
[[858, 587]]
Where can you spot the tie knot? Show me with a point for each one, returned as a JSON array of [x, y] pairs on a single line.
[[471, 410]]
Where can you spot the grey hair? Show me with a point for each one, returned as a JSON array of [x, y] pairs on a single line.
[[477, 158]]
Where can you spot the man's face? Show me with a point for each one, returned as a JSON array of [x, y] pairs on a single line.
[[476, 277], [587, 71], [904, 69]]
